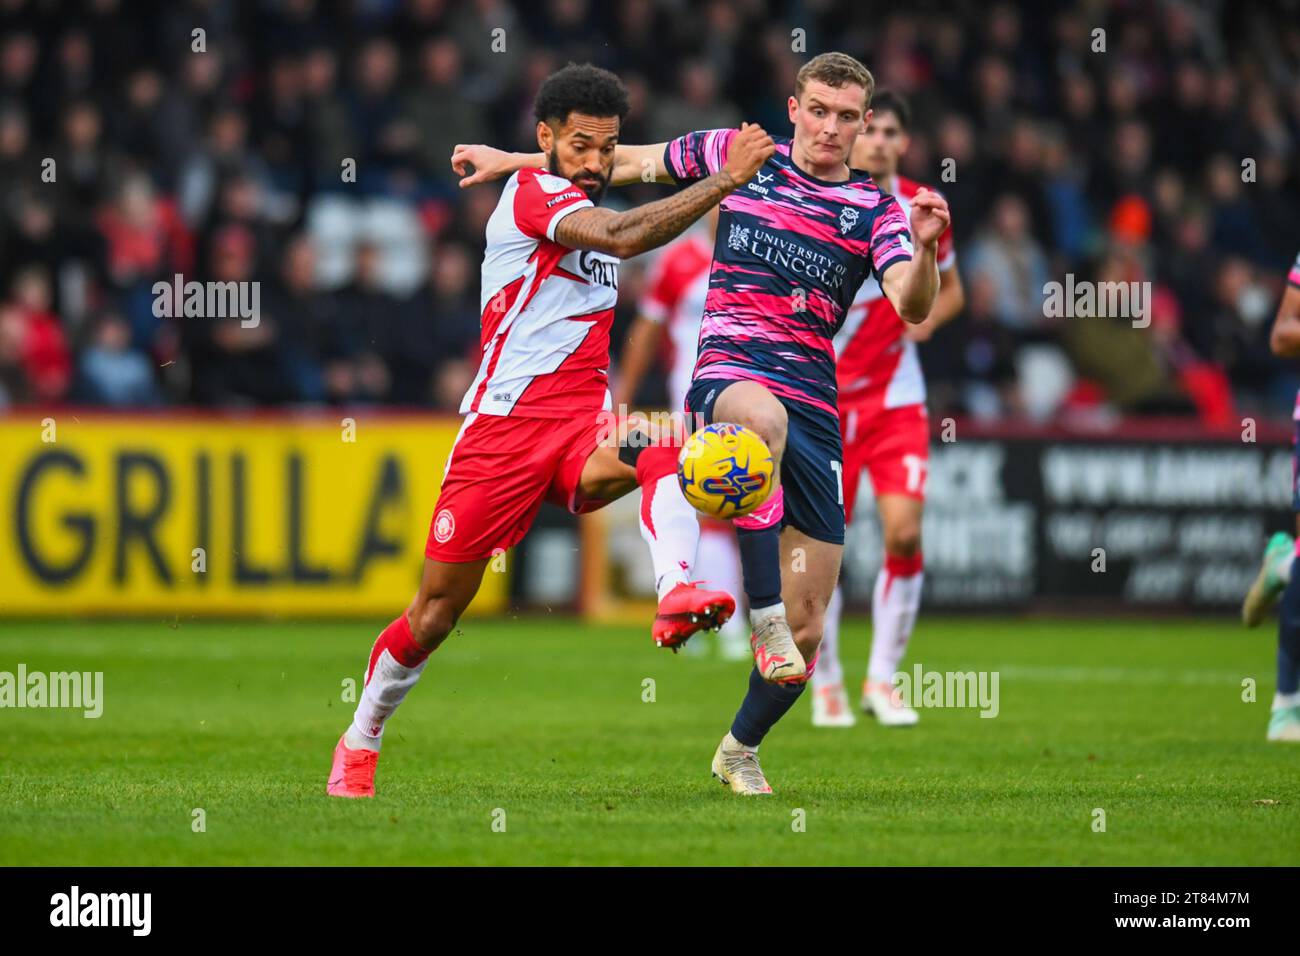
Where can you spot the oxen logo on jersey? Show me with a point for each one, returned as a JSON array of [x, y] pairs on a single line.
[[848, 219], [444, 526], [738, 238], [553, 184]]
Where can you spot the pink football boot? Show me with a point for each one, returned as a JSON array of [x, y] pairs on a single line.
[[353, 773]]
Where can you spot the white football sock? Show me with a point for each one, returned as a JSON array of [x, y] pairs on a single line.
[[757, 617], [1283, 701], [732, 744], [387, 687], [894, 605], [718, 563], [671, 528], [828, 671]]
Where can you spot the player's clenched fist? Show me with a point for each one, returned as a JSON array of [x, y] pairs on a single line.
[[930, 216], [749, 150]]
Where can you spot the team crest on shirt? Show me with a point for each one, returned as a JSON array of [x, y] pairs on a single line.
[[553, 184], [444, 526], [848, 219], [738, 238]]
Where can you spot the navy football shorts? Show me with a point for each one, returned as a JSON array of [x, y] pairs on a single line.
[[812, 467]]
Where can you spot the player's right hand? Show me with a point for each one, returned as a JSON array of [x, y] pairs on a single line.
[[489, 164], [749, 150]]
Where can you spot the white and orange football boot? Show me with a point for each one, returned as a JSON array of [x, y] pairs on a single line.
[[689, 608], [883, 700], [736, 766], [353, 772], [776, 655], [831, 707]]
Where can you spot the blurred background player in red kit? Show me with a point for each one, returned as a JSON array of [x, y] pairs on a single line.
[[886, 433], [667, 328]]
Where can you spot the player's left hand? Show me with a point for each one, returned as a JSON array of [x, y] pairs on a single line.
[[930, 216], [489, 163]]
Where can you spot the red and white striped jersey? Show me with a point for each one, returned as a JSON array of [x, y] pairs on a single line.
[[674, 298], [876, 365], [546, 309]]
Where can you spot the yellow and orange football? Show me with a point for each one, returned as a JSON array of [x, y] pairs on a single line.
[[725, 470]]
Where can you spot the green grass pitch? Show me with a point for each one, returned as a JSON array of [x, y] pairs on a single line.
[[544, 719]]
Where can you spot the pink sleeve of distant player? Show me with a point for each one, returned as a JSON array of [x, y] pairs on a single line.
[[698, 154], [1293, 277]]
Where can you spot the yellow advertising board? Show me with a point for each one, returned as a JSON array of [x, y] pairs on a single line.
[[201, 514]]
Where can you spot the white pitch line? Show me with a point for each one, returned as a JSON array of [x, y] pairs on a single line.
[[1115, 675]]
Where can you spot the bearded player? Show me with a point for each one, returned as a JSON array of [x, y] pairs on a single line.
[[887, 435], [793, 247], [536, 423], [1276, 574]]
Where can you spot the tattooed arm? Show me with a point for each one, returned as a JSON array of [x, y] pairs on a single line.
[[626, 234]]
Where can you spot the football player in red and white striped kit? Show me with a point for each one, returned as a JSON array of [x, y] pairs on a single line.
[[537, 422], [887, 434]]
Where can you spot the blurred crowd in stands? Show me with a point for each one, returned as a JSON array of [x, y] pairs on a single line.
[[141, 139]]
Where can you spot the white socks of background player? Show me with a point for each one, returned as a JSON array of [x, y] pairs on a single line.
[[829, 672], [669, 525], [894, 606], [396, 662], [718, 562]]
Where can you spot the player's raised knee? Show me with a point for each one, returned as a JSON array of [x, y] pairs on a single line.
[[769, 419]]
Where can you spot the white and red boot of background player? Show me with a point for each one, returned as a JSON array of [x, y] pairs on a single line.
[[894, 607]]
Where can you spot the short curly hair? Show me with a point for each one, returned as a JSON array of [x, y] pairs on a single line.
[[580, 88]]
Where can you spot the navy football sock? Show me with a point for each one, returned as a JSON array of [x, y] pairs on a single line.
[[763, 706], [760, 564], [1288, 638]]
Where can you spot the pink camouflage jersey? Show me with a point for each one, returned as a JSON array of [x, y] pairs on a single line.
[[790, 255]]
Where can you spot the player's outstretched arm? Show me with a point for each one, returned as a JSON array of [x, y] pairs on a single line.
[[631, 164], [1285, 338], [640, 164], [626, 234], [490, 163], [912, 286]]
